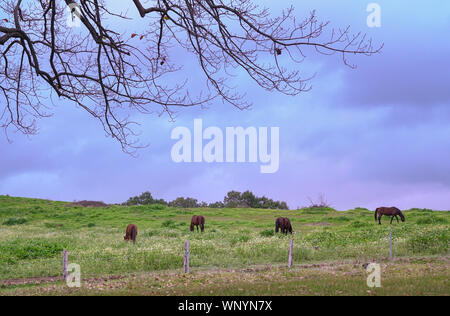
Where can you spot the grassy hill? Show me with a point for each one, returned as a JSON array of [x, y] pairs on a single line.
[[33, 233]]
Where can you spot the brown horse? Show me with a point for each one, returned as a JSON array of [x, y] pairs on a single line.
[[284, 224], [198, 221], [388, 211], [131, 233]]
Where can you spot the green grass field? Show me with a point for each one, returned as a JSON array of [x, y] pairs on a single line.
[[238, 254]]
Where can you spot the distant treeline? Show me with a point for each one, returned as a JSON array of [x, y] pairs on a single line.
[[233, 199]]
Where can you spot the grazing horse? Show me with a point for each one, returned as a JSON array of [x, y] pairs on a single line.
[[131, 233], [388, 211], [198, 221], [284, 224]]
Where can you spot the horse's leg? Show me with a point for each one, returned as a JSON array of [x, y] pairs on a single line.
[[392, 218], [396, 218], [379, 218]]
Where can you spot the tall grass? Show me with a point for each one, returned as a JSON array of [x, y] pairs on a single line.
[[232, 237]]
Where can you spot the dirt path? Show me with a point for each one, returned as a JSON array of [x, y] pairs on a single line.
[[37, 280], [43, 280], [356, 266]]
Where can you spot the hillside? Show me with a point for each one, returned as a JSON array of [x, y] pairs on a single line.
[[33, 233]]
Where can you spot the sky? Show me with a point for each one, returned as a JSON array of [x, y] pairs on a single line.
[[377, 135]]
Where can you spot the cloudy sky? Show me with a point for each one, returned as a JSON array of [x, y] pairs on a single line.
[[372, 136]]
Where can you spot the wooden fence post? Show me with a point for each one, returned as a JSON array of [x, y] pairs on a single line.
[[65, 264], [390, 245], [291, 246], [186, 256]]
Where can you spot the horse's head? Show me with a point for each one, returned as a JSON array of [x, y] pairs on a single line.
[[401, 216]]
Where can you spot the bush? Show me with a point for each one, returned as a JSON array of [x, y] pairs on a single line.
[[168, 224], [431, 220], [316, 210], [341, 219], [244, 238], [434, 242], [239, 238], [267, 233], [145, 198], [358, 224], [14, 221], [422, 210], [157, 207], [53, 225], [29, 249], [152, 233], [185, 202], [324, 238]]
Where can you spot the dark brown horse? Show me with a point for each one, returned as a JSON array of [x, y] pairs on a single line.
[[131, 233], [198, 221], [388, 211], [284, 224]]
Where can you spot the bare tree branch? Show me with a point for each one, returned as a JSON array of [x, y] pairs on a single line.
[[109, 75]]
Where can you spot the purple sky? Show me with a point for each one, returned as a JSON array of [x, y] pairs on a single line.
[[376, 135]]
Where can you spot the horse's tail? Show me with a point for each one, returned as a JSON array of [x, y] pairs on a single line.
[[376, 212], [277, 225], [202, 223], [133, 234]]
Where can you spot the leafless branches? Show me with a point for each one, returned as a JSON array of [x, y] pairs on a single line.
[[321, 202], [112, 74]]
